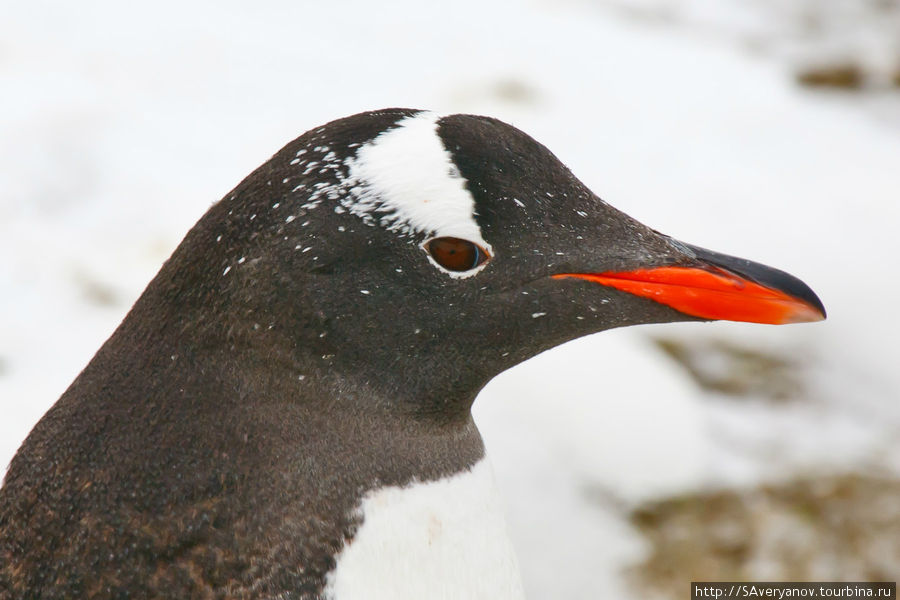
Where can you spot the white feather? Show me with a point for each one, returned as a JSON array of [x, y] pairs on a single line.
[[438, 540]]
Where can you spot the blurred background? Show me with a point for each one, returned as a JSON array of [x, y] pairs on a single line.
[[633, 461]]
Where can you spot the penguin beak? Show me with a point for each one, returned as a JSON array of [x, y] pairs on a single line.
[[716, 286]]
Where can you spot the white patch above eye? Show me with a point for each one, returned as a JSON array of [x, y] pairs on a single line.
[[406, 181]]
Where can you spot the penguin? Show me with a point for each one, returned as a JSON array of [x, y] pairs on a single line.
[[285, 410]]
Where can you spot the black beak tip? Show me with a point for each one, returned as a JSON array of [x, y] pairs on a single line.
[[761, 274]]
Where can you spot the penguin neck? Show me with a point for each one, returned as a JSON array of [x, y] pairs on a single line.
[[282, 388], [301, 357]]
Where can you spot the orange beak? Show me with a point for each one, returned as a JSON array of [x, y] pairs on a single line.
[[719, 287]]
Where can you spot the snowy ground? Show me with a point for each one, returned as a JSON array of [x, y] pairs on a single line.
[[120, 124]]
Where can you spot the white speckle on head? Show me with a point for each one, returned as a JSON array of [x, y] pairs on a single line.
[[439, 539], [301, 377], [518, 202], [225, 272], [289, 218], [581, 213], [277, 204], [218, 238], [537, 314], [241, 260], [366, 292]]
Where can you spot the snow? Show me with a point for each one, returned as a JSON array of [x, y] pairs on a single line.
[[120, 124]]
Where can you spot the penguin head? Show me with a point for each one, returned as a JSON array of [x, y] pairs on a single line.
[[443, 249]]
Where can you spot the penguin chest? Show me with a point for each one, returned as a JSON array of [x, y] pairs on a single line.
[[436, 539]]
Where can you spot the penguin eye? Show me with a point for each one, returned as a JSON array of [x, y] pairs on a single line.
[[455, 254]]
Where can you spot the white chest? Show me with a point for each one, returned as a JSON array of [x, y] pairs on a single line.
[[439, 539]]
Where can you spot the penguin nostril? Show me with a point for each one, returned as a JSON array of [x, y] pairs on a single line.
[[456, 254]]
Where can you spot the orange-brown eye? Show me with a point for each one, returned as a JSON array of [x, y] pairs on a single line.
[[455, 254]]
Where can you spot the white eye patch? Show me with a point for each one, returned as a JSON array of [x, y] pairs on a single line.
[[405, 181]]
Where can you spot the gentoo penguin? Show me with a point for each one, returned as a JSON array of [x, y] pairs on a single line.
[[285, 411]]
